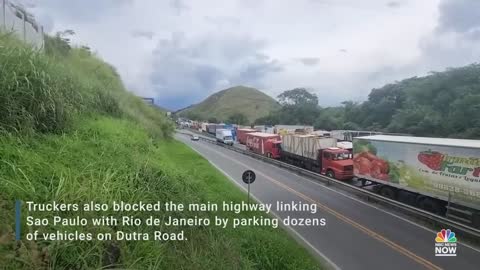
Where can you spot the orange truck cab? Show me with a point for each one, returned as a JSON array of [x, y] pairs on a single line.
[[317, 153], [336, 163]]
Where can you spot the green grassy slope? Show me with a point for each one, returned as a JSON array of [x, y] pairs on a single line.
[[70, 133], [110, 159], [240, 99]]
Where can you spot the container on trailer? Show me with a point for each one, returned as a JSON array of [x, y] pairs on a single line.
[[231, 127], [265, 129], [445, 169], [234, 133], [345, 145], [322, 133], [194, 124], [306, 145], [242, 134], [293, 129], [264, 144], [211, 128], [348, 135]]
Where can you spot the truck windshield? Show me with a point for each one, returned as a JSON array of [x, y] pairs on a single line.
[[341, 156]]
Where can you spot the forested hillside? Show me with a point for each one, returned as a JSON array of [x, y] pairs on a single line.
[[443, 104]]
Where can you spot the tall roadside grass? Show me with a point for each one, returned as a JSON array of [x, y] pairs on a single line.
[[109, 159], [46, 92]]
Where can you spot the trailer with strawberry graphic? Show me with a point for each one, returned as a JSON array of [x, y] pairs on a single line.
[[434, 174]]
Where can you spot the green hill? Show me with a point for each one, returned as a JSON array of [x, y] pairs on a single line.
[[239, 99]]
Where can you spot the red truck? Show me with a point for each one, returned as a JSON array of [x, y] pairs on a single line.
[[242, 134], [319, 154], [264, 144]]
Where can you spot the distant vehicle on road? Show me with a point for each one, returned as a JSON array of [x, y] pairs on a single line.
[[195, 138], [224, 136]]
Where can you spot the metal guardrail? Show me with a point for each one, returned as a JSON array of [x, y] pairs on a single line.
[[434, 219]]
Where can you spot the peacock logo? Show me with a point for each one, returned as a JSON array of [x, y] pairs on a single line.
[[445, 236], [445, 243]]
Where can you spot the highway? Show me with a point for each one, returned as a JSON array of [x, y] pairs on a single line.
[[357, 235]]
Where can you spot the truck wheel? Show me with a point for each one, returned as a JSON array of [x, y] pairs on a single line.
[[388, 192], [406, 197], [330, 174], [430, 205], [269, 155], [476, 220]]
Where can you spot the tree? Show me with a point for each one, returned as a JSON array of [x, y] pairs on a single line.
[[238, 118], [59, 44], [329, 119], [86, 49], [382, 104], [271, 119], [417, 119], [297, 97], [350, 126], [298, 107]]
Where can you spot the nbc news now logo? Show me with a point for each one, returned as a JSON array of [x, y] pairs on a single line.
[[445, 243]]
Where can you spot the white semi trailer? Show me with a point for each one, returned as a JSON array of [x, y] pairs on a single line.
[[436, 174]]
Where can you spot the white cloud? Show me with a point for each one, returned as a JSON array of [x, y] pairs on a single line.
[[180, 51]]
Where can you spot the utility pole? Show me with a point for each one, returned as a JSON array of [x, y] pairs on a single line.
[[43, 38], [24, 26], [4, 3]]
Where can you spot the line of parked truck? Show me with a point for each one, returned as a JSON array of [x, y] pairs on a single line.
[[436, 174]]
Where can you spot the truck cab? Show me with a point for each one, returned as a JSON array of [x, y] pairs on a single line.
[[336, 163], [224, 136], [227, 140], [274, 147], [265, 144]]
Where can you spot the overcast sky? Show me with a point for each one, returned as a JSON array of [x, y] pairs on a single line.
[[180, 51]]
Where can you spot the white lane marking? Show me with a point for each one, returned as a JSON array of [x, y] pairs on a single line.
[[297, 234]]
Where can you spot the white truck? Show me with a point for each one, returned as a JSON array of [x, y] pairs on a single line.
[[224, 136], [436, 174]]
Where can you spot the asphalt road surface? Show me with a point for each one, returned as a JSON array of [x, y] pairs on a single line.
[[357, 235]]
